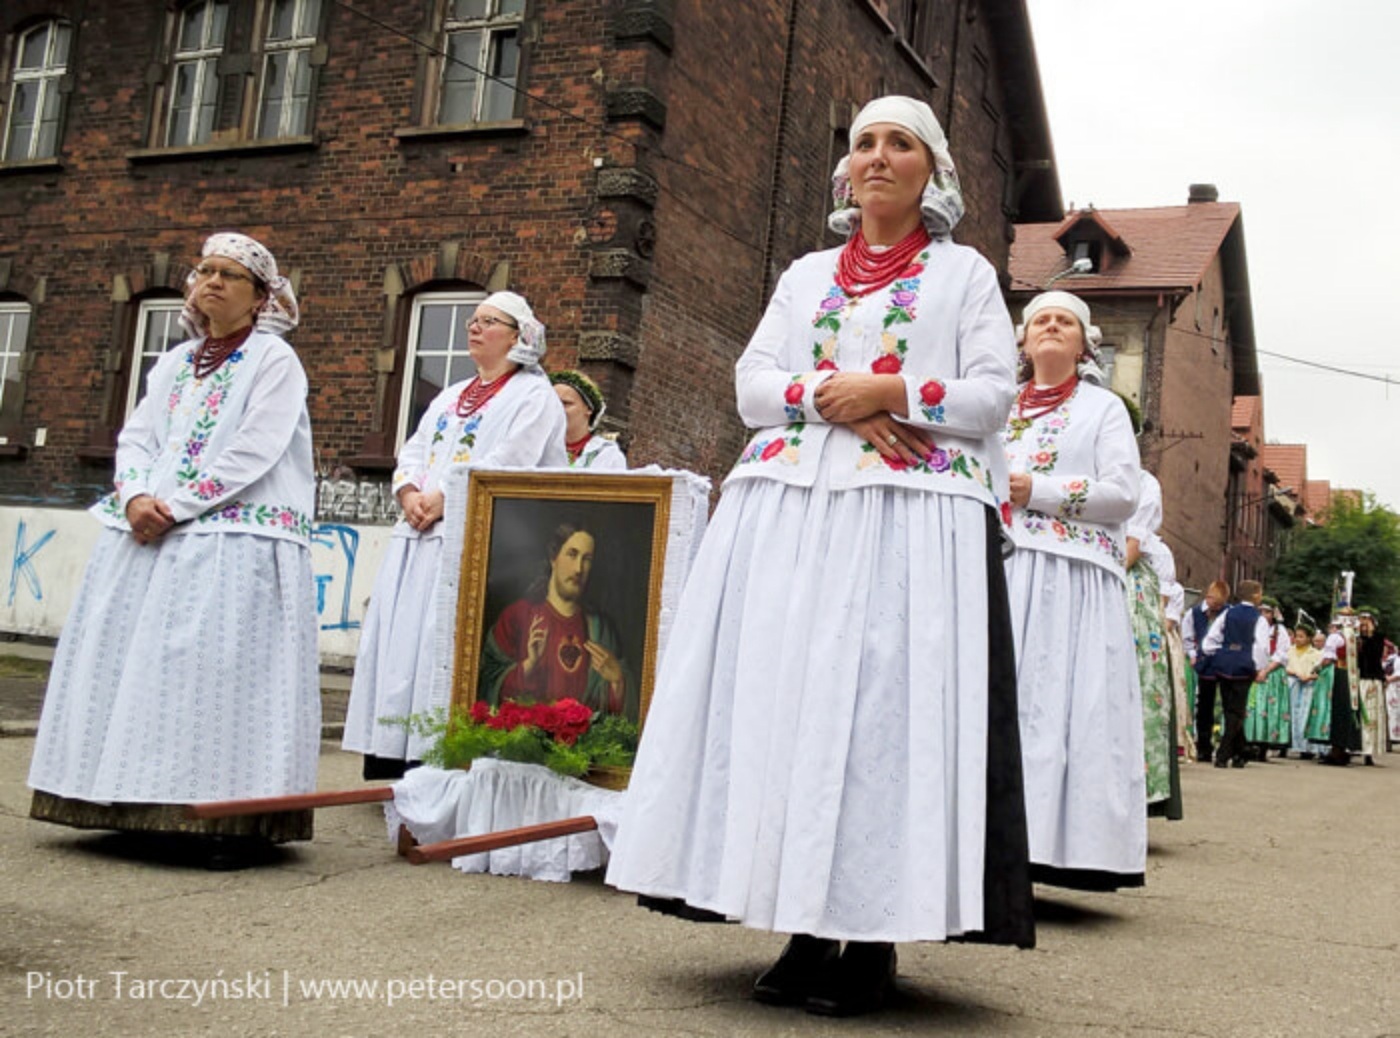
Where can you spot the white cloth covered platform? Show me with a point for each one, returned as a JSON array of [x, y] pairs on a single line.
[[439, 805]]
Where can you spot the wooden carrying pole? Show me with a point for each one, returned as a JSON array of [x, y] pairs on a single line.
[[448, 849], [296, 802]]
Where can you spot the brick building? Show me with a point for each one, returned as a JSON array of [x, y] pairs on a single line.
[[1169, 287], [671, 158], [675, 161]]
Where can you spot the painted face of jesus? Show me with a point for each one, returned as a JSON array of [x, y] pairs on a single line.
[[568, 571]]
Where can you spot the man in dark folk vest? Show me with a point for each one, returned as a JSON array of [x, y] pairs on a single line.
[[1238, 647]]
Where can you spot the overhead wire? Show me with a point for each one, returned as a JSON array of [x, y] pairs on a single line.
[[1108, 308]]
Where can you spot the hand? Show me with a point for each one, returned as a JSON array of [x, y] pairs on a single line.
[[604, 662], [1020, 489], [534, 644], [420, 510], [1262, 676], [149, 518], [909, 444], [849, 396], [432, 505]]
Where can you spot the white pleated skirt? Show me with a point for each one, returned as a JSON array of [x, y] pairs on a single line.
[[393, 668], [1081, 715], [187, 671], [815, 756]]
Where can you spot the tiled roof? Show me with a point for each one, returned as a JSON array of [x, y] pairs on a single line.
[[1289, 462], [1317, 495], [1243, 412], [1172, 247]]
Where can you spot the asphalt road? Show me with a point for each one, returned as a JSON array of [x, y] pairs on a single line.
[[1273, 909]]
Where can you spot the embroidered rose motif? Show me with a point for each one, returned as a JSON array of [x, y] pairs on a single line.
[[932, 393], [1006, 513], [938, 460], [774, 448], [833, 302], [886, 364], [794, 393], [826, 365], [913, 270]]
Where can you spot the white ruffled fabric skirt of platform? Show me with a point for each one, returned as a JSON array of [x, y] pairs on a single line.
[[496, 795], [394, 665], [814, 759], [1081, 715], [186, 671]]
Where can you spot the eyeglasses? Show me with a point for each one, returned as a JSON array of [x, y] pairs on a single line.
[[205, 271], [490, 322]]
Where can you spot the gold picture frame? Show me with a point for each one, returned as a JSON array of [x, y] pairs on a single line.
[[510, 518]]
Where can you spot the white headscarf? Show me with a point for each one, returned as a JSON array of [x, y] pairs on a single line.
[[942, 204], [1088, 367], [277, 314], [529, 343]]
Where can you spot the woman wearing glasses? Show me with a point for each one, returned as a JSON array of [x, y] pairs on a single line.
[[506, 415], [187, 670]]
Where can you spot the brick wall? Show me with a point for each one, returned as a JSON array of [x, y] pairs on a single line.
[[650, 270]]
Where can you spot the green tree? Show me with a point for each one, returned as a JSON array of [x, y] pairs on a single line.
[[1360, 536]]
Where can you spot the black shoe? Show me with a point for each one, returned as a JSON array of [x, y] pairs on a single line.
[[859, 984], [1222, 763], [1282, 754], [801, 969], [1369, 761], [1238, 762], [1336, 760], [233, 853], [1307, 756]]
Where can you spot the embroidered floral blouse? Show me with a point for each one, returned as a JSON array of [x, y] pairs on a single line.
[[1083, 462], [228, 453], [522, 426], [941, 326], [601, 455]]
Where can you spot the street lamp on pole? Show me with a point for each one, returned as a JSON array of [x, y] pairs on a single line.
[[1082, 265]]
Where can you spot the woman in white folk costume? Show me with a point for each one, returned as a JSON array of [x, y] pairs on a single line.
[[506, 415], [1268, 721], [832, 751], [187, 669], [1145, 561], [1074, 483], [1173, 613], [1392, 691], [583, 410], [1301, 667]]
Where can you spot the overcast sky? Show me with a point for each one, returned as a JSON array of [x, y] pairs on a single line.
[[1292, 109]]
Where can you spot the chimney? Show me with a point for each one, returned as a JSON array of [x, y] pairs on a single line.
[[1203, 193]]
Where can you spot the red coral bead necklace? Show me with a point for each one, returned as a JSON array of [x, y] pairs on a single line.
[[861, 270], [1034, 401], [477, 393]]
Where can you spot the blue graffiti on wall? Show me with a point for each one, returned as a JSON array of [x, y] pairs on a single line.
[[347, 540], [23, 564]]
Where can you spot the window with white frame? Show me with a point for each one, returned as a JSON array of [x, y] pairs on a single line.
[[36, 103], [157, 330], [14, 333], [285, 102], [194, 85], [482, 67], [437, 353]]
